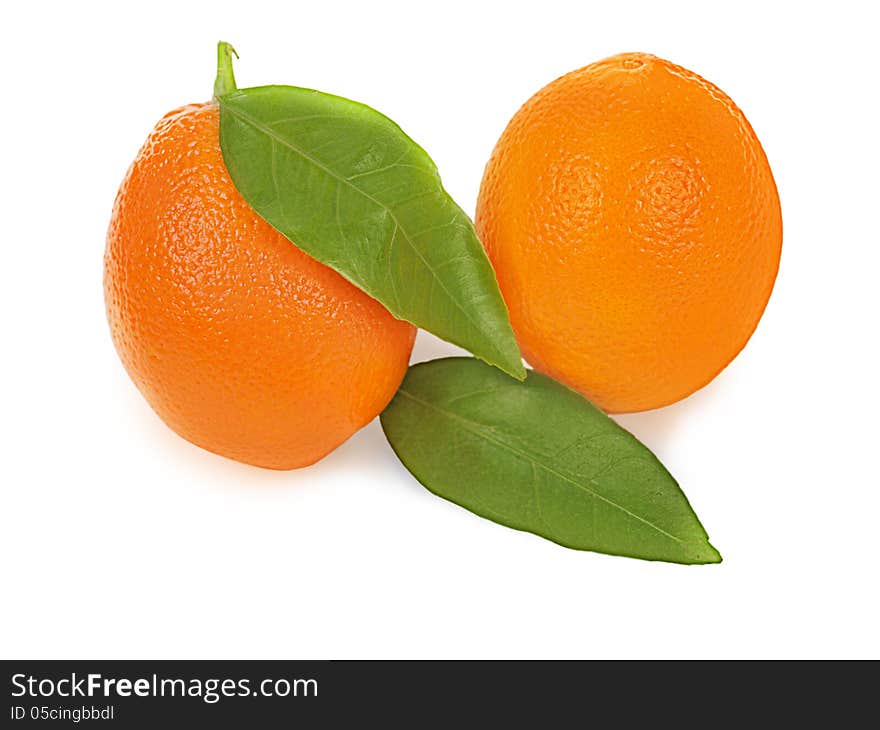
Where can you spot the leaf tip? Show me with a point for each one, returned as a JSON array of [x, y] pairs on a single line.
[[511, 366], [519, 372], [707, 554]]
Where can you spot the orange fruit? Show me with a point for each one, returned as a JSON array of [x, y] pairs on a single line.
[[634, 225], [240, 342]]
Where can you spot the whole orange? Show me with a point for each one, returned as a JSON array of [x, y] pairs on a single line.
[[242, 344], [635, 228]]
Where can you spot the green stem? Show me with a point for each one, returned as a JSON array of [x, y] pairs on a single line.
[[225, 81]]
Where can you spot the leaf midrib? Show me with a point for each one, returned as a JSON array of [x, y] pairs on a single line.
[[477, 429], [317, 163]]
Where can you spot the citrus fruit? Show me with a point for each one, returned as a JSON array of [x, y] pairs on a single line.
[[240, 342], [634, 225]]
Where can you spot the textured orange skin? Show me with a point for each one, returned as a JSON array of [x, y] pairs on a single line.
[[634, 225], [242, 344]]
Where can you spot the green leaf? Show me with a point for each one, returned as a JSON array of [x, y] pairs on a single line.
[[537, 456], [348, 187]]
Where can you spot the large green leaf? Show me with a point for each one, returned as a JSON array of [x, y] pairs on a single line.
[[537, 456], [348, 187]]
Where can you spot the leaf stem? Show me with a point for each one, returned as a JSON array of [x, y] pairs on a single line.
[[224, 83]]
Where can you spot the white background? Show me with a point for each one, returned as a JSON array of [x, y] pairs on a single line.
[[120, 540]]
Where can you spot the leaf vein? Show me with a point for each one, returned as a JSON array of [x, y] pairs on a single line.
[[480, 431], [275, 136]]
